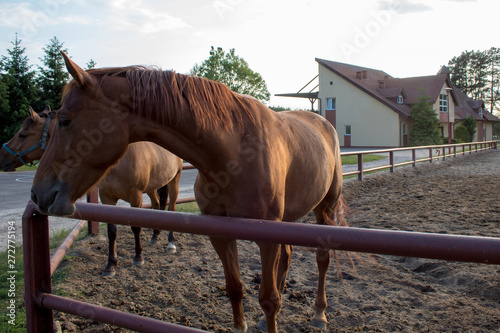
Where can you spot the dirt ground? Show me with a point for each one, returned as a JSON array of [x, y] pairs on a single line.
[[383, 293]]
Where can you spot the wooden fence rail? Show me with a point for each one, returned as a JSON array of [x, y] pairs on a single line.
[[432, 150]]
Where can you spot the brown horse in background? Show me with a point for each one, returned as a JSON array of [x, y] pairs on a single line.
[[144, 168], [252, 161]]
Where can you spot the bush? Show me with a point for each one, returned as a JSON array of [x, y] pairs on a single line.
[[462, 134]]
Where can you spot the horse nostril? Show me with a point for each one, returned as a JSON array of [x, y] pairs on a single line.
[[33, 197]]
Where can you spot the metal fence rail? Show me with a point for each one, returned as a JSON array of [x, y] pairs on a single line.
[[400, 243]]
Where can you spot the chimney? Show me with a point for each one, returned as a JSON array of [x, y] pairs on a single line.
[[381, 84], [361, 74]]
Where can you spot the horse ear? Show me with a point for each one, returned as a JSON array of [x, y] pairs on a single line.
[[34, 116], [47, 109], [78, 74]]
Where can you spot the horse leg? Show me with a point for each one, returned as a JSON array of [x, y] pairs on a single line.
[[156, 203], [138, 260], [173, 193], [269, 295], [110, 269], [228, 253], [284, 264]]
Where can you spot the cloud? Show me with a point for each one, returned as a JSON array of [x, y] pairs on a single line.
[[17, 15], [403, 6], [134, 15]]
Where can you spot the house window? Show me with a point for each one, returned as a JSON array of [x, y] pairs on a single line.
[[443, 103], [400, 99], [404, 129], [347, 129], [481, 112], [331, 104]]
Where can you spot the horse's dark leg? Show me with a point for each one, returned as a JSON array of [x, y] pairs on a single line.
[[138, 260], [158, 201], [110, 269], [228, 253]]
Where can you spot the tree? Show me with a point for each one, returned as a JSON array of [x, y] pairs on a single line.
[[425, 129], [234, 72], [52, 76], [462, 134], [91, 64], [494, 73], [470, 124], [18, 89], [477, 74]]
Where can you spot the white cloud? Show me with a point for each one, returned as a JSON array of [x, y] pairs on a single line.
[[18, 15], [134, 15]]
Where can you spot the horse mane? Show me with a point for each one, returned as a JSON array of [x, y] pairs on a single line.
[[161, 95]]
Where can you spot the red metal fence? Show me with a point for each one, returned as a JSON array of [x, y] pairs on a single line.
[[38, 266]]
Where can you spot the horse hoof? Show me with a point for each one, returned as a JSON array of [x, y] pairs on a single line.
[[262, 325], [153, 241], [319, 324], [109, 273], [171, 248], [138, 262]]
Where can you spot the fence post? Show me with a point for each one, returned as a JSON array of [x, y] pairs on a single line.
[[430, 155], [92, 197], [414, 157], [36, 257], [360, 167], [391, 160]]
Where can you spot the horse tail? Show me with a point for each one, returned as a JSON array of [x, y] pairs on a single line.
[[163, 196]]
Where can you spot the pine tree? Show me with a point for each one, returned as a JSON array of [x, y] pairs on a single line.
[[18, 88], [425, 128], [52, 76]]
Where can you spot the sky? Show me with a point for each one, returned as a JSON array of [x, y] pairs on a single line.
[[279, 39]]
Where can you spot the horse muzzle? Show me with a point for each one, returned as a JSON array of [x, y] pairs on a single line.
[[52, 200]]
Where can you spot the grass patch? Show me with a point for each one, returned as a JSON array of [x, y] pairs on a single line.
[[353, 159], [13, 317], [12, 313], [189, 207]]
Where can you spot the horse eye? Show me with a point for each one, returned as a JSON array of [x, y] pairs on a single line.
[[22, 136], [64, 122]]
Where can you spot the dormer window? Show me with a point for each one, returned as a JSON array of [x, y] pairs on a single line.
[[400, 99], [481, 112], [443, 103]]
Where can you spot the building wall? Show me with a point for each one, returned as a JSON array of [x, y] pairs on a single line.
[[445, 117], [372, 123]]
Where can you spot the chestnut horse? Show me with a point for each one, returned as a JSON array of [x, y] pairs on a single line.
[[144, 168], [252, 161]]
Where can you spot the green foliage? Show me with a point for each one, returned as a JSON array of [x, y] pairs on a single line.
[[462, 134], [234, 72], [470, 124], [91, 64], [13, 292], [52, 76], [17, 90], [279, 108], [425, 129], [477, 74]]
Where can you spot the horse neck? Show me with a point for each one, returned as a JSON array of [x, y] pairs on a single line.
[[205, 149]]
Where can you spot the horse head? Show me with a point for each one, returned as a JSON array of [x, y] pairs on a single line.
[[90, 135], [29, 143]]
